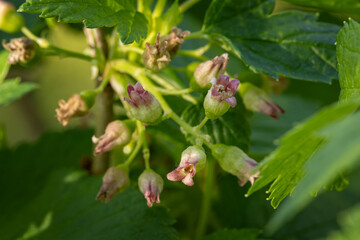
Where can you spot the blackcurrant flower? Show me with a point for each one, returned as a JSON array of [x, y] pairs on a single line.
[[151, 185]]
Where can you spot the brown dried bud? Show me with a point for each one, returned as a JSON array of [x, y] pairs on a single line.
[[209, 69], [115, 181], [156, 57], [21, 50], [174, 40], [75, 106]]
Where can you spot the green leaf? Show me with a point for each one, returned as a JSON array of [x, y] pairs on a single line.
[[284, 166], [94, 14], [232, 128], [4, 65], [339, 153], [12, 90], [290, 43], [348, 56], [346, 6], [171, 18], [48, 197], [234, 234], [349, 222]]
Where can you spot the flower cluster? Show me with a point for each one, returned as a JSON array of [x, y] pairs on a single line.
[[21, 50]]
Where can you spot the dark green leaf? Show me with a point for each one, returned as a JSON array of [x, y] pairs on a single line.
[[44, 202], [349, 222], [12, 89], [290, 43], [284, 166], [232, 128], [4, 65], [234, 234], [94, 14], [348, 55], [347, 6]]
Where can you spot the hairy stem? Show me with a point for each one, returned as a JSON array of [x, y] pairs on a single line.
[[99, 46], [206, 201]]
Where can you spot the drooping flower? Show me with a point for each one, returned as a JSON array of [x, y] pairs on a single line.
[[115, 181], [220, 97], [151, 185], [156, 57], [193, 158], [21, 50], [143, 106], [116, 134], [10, 20], [174, 40], [256, 100], [210, 69], [75, 106], [234, 161]]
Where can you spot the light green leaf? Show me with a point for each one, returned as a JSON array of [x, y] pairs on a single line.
[[284, 166], [171, 18], [348, 55], [12, 89], [290, 43], [235, 234], [94, 14], [232, 128], [49, 197], [339, 153], [4, 65], [346, 6]]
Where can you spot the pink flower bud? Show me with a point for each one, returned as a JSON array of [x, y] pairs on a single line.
[[115, 181], [220, 97], [21, 50], [156, 57], [116, 134], [74, 107], [151, 185], [210, 69], [143, 106], [233, 160], [256, 100], [174, 40], [10, 20], [192, 158]]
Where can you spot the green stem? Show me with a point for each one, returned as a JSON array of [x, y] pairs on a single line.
[[43, 43], [199, 34], [206, 201], [196, 53], [103, 83], [175, 91], [133, 153], [159, 8], [187, 4], [203, 122], [146, 151]]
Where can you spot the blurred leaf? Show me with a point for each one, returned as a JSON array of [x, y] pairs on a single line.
[[234, 234], [44, 202], [94, 14], [171, 18], [290, 43], [284, 166], [233, 128], [346, 6], [349, 222], [12, 89], [339, 153], [348, 55], [4, 65]]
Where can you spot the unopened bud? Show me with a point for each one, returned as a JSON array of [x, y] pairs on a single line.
[[256, 100], [143, 106], [115, 181], [156, 57], [174, 40], [21, 50], [151, 185], [234, 161], [210, 69], [10, 20], [192, 159], [116, 134], [76, 106], [220, 97]]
